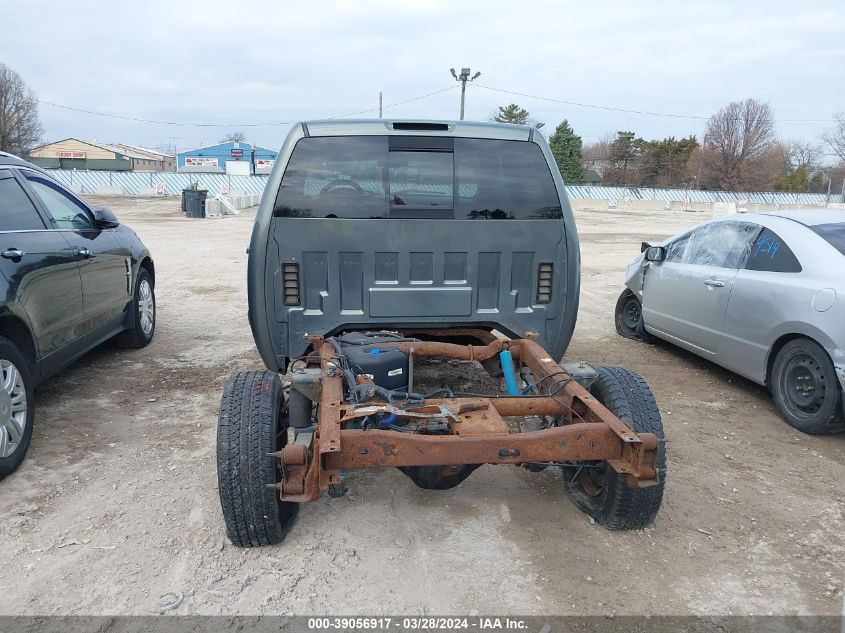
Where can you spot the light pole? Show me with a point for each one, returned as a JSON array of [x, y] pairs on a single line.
[[464, 78]]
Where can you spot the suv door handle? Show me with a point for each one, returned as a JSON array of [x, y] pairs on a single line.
[[714, 283], [13, 253], [83, 252]]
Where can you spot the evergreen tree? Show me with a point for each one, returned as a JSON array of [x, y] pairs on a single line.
[[566, 148], [514, 114]]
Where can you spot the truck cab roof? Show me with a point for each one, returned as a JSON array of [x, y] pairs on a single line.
[[416, 127]]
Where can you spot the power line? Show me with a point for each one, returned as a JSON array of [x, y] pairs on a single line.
[[140, 120], [398, 103], [627, 111], [229, 125]]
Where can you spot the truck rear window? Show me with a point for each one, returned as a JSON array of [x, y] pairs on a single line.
[[377, 177]]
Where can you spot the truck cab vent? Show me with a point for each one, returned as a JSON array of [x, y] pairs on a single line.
[[544, 282], [290, 281]]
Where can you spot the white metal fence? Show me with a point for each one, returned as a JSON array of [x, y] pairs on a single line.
[[171, 184]]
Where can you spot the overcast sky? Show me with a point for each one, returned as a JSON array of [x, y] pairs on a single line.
[[234, 63]]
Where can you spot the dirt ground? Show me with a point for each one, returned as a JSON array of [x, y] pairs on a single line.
[[117, 503]]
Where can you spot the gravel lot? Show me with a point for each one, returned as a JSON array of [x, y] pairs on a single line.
[[117, 503]]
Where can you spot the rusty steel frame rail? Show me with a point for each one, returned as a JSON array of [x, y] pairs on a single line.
[[589, 433]]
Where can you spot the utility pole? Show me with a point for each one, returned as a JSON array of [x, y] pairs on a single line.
[[379, 104], [464, 78]]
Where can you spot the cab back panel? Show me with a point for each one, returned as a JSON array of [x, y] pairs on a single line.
[[373, 231], [378, 274]]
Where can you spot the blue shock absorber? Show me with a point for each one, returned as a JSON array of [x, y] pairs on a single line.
[[387, 421], [506, 358]]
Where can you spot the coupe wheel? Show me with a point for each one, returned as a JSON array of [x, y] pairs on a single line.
[[805, 388], [629, 316]]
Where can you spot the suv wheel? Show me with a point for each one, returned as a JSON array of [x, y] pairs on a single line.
[[17, 410], [144, 304]]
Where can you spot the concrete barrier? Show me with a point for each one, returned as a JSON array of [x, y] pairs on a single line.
[[686, 206], [724, 208], [589, 204], [648, 205], [113, 190], [701, 207], [216, 209], [758, 207]]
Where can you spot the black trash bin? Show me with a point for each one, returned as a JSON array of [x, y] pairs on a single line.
[[195, 202]]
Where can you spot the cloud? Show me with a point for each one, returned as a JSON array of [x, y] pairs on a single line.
[[235, 62]]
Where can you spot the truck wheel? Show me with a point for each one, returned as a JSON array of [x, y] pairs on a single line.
[[595, 487], [629, 316], [144, 305], [249, 428], [805, 388], [17, 407]]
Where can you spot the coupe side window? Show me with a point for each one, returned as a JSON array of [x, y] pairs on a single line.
[[722, 244], [770, 253], [67, 212], [17, 213]]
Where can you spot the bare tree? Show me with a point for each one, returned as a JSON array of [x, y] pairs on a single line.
[[20, 129], [834, 138], [739, 138], [238, 137], [803, 154]]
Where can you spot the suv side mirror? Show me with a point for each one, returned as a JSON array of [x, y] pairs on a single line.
[[104, 218], [655, 254]]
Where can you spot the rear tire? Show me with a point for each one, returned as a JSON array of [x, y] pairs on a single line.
[[629, 316], [805, 388], [250, 427], [595, 487], [16, 391]]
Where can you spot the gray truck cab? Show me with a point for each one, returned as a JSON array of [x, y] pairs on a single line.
[[380, 246], [379, 224]]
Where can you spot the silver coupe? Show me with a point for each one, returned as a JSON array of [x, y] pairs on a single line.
[[762, 295]]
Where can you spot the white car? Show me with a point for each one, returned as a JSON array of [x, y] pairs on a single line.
[[762, 295]]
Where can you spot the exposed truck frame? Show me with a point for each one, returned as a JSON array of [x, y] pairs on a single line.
[[586, 431], [381, 242]]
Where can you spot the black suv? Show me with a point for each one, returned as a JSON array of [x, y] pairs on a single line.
[[71, 277]]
